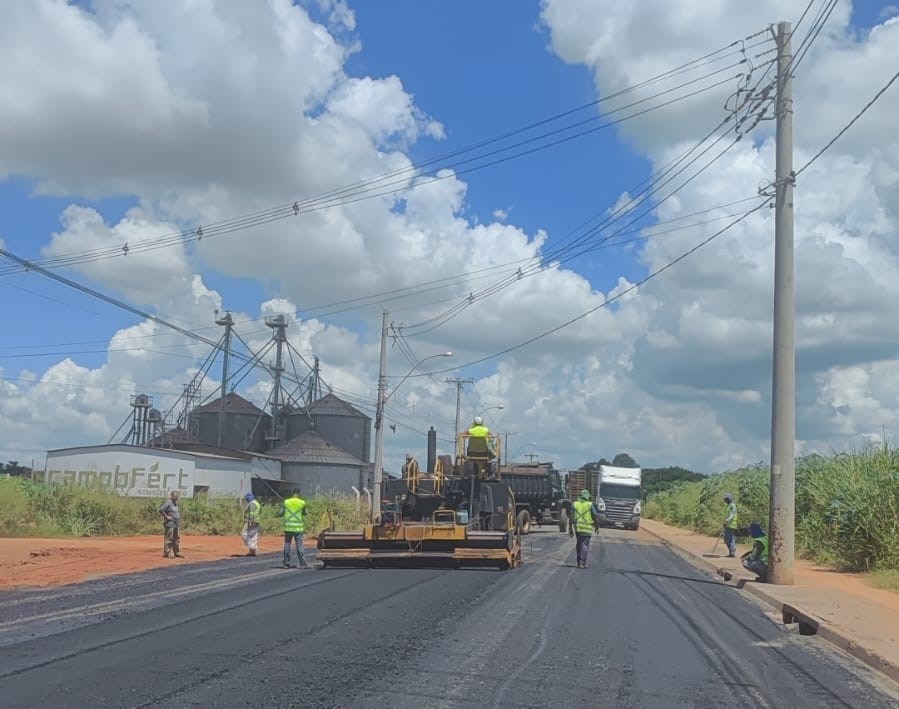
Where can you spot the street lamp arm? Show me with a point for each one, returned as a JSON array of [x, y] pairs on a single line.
[[409, 373], [490, 408]]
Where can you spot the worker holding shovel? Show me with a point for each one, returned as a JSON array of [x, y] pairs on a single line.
[[730, 526]]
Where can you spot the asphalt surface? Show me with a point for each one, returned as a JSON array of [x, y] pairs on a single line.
[[640, 628]]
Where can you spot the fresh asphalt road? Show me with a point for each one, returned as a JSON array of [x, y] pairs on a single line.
[[640, 628]]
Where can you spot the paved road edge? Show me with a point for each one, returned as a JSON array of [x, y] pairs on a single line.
[[791, 613]]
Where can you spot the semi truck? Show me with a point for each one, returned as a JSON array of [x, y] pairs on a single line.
[[617, 492], [539, 495], [620, 495]]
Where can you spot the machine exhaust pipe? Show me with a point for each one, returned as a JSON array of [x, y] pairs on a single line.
[[432, 450]]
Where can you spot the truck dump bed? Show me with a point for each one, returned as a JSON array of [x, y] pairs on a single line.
[[582, 480]]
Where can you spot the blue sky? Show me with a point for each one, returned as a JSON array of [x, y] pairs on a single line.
[[503, 77], [480, 69]]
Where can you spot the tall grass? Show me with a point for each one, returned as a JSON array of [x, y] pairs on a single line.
[[847, 506], [35, 509]]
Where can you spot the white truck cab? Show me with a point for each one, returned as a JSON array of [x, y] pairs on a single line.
[[619, 496]]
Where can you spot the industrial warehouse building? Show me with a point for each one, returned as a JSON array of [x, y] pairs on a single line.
[[138, 471], [325, 448]]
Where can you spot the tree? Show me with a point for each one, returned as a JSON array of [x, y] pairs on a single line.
[[657, 480], [13, 468], [623, 460]]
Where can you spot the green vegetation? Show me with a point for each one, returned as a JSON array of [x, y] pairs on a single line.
[[31, 509], [847, 506], [887, 579], [655, 480]]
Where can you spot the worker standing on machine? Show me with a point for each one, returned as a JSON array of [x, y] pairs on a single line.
[[479, 430], [581, 524]]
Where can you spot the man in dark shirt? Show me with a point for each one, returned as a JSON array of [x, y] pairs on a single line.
[[171, 521]]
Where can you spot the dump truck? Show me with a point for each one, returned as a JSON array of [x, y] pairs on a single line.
[[582, 479], [539, 496], [457, 513]]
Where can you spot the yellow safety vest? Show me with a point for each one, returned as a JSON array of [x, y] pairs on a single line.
[[478, 431], [253, 511], [583, 517], [733, 523], [293, 514], [763, 556]]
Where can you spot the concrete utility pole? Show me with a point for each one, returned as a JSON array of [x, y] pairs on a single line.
[[379, 428], [783, 394], [228, 322], [459, 384]]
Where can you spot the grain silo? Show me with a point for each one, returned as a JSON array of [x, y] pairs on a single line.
[[319, 466], [337, 422], [244, 427]]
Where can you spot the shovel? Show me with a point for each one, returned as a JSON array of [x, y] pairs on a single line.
[[717, 541]]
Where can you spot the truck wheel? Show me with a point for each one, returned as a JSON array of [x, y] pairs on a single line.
[[635, 526], [524, 522], [563, 521]]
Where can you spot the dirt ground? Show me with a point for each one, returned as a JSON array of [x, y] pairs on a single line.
[[53, 562]]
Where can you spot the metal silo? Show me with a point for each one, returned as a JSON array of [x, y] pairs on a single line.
[[243, 429], [337, 422], [318, 466]]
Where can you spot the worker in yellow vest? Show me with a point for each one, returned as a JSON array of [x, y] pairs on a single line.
[[479, 430], [756, 559], [730, 526], [581, 523], [293, 513]]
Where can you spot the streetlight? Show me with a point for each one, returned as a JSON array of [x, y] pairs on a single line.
[[528, 445], [379, 429], [490, 408]]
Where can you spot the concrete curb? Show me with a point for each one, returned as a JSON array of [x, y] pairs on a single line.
[[808, 623]]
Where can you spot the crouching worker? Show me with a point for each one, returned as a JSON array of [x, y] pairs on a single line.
[[756, 560]]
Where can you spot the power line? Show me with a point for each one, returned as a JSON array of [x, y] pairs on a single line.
[[611, 300], [654, 184], [547, 257], [120, 304], [405, 185], [802, 17], [651, 231], [341, 196], [85, 352], [70, 384], [439, 320], [818, 23], [848, 125]]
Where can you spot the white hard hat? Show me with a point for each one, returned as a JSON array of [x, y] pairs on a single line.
[[478, 421]]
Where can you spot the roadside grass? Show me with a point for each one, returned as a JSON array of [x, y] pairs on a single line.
[[887, 579], [847, 506], [33, 509]]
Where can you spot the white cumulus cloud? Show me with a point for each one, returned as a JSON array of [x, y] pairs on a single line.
[[238, 107]]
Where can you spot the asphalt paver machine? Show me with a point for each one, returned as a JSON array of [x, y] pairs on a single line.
[[458, 513]]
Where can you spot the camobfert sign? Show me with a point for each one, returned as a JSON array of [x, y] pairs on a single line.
[[127, 473]]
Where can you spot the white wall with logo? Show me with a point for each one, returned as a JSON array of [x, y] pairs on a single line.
[[147, 472]]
